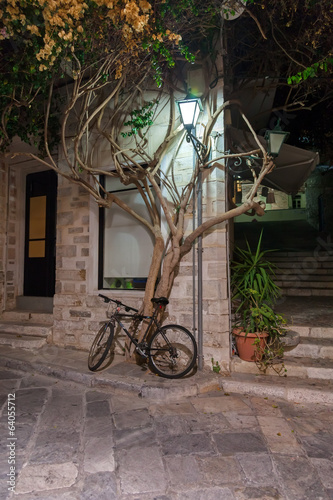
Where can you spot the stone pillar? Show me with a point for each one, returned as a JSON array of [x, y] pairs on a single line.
[[3, 225], [72, 258]]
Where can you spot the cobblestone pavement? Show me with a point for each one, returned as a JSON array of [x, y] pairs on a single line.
[[70, 442]]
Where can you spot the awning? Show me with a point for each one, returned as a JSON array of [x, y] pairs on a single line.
[[292, 167]]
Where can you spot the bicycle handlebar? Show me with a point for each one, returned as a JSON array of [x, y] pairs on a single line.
[[120, 304]]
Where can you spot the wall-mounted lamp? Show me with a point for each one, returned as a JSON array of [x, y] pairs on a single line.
[[275, 138], [190, 109]]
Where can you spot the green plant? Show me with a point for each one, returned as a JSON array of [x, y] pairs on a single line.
[[254, 293], [216, 366]]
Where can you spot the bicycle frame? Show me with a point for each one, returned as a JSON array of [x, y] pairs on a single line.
[[116, 317]]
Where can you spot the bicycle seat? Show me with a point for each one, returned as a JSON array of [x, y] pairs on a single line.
[[161, 301]]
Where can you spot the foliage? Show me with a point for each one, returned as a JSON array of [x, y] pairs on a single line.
[[45, 45], [254, 294], [287, 45], [140, 118], [252, 273], [215, 366]]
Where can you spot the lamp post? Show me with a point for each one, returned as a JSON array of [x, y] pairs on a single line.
[[190, 109], [275, 138]]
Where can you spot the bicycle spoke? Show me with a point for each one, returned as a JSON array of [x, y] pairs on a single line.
[[172, 351], [100, 347]]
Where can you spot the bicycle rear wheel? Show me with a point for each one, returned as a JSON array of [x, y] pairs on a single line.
[[172, 351], [100, 346]]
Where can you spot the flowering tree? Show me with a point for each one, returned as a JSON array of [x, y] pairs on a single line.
[[76, 75]]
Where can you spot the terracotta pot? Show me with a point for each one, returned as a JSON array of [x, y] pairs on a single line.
[[247, 350]]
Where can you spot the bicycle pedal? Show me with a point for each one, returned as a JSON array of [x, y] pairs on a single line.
[[141, 352]]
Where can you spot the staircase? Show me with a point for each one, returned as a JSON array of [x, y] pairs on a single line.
[[29, 326], [304, 273], [311, 359]]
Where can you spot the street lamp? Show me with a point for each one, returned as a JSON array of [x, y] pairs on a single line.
[[189, 109], [275, 138]]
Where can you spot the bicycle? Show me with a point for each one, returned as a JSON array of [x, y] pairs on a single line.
[[171, 350]]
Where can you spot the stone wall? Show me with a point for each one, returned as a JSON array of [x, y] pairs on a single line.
[[3, 225], [320, 186], [10, 231], [77, 309]]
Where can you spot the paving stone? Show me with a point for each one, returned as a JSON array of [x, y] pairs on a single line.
[[183, 472], [98, 409], [171, 409], [308, 426], [130, 419], [120, 403], [241, 442], [98, 454], [266, 406], [101, 486], [98, 426], [64, 409], [9, 374], [220, 470], [207, 493], [239, 421], [258, 468], [141, 470], [221, 404], [142, 436], [188, 444], [55, 446], [261, 493], [35, 478], [9, 385], [299, 478], [173, 425], [71, 494], [324, 470], [30, 401], [97, 396], [279, 435], [319, 445]]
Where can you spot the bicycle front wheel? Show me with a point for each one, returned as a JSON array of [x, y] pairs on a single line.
[[100, 347], [172, 351]]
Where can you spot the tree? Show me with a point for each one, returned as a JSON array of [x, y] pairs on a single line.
[[293, 55], [77, 76]]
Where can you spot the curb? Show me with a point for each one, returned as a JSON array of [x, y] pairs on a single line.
[[158, 388]]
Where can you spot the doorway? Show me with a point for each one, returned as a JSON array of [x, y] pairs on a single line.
[[40, 234]]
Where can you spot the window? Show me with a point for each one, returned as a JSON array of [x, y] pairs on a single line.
[[126, 245]]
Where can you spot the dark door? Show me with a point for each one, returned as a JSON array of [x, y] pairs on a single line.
[[40, 235]]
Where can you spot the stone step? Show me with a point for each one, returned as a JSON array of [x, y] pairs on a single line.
[[299, 367], [314, 332], [304, 267], [321, 256], [305, 284], [304, 277], [16, 315], [26, 328], [22, 341], [306, 292], [314, 348], [37, 304]]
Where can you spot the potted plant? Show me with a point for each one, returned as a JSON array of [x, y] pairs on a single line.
[[257, 328]]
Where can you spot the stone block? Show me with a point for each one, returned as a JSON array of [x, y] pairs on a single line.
[[81, 239], [66, 250], [75, 230], [65, 218], [39, 478]]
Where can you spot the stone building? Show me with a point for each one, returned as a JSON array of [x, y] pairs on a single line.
[[51, 254], [55, 243]]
